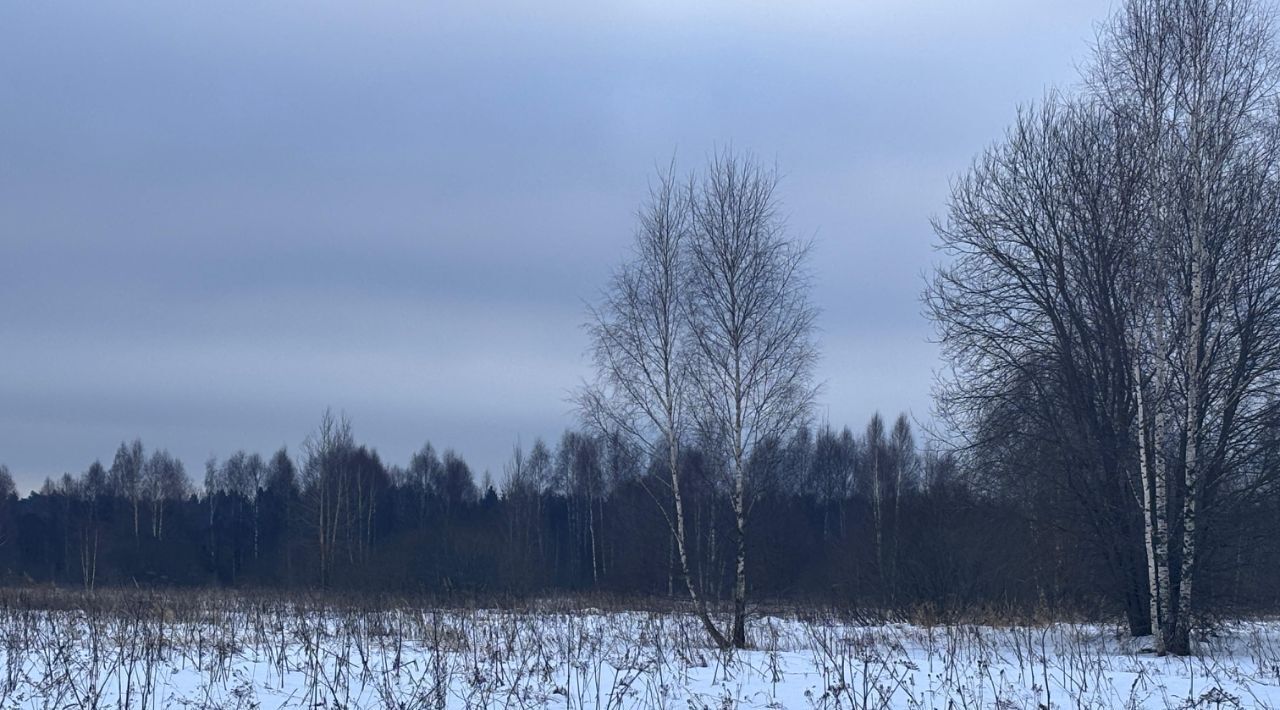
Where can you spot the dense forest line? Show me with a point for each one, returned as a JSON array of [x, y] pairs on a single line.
[[868, 520]]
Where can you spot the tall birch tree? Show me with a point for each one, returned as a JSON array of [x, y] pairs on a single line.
[[639, 336], [1120, 256], [750, 330]]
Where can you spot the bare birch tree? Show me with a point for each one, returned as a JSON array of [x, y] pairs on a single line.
[[1171, 198], [876, 449], [639, 345], [324, 473], [708, 325], [164, 480], [1199, 79], [750, 330], [902, 446], [126, 477]]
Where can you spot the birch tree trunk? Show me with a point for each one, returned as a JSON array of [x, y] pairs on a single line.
[[1162, 596], [1180, 642], [673, 462], [1149, 506]]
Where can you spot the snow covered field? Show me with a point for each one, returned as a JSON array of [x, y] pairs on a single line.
[[231, 652]]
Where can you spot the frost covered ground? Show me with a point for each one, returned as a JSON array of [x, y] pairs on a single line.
[[142, 651]]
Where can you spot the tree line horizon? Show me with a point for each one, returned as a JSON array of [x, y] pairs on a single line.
[[578, 519]]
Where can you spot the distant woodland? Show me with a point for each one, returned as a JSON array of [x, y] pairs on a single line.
[[852, 519]]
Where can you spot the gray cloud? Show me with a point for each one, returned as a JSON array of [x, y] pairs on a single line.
[[216, 220]]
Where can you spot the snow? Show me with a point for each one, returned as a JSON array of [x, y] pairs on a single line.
[[293, 656]]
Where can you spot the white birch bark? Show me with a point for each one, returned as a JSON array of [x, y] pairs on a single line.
[[1147, 504]]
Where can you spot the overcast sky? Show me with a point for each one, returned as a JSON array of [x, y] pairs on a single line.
[[217, 219]]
